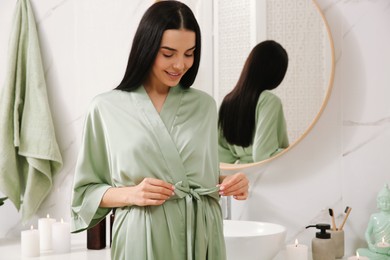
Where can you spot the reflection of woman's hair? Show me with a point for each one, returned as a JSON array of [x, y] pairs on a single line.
[[264, 69], [161, 16]]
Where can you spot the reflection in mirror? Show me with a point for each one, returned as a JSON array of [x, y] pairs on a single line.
[[252, 126], [301, 29]]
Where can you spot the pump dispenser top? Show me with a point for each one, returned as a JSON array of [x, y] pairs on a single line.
[[322, 227], [322, 246]]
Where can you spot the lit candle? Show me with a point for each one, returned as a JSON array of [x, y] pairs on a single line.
[[44, 227], [30, 242], [383, 244], [357, 257], [61, 237], [296, 251]]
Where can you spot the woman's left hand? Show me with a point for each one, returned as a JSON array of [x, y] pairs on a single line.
[[235, 185]]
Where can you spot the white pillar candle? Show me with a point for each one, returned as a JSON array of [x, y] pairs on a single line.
[[61, 237], [44, 227], [30, 242], [357, 257], [296, 251]]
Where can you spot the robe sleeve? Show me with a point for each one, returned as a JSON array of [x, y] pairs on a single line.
[[271, 130], [92, 175], [225, 154]]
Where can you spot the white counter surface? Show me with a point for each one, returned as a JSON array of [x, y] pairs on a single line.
[[11, 250]]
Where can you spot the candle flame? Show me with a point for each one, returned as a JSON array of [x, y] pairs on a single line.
[[296, 242], [47, 216], [62, 221], [357, 254], [383, 240], [32, 227]]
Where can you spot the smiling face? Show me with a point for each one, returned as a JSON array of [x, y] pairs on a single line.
[[174, 58]]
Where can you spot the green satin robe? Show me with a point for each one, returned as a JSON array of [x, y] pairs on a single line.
[[125, 140], [270, 134]]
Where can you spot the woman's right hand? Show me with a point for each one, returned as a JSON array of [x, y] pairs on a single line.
[[150, 192]]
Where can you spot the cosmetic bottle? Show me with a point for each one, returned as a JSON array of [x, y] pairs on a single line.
[[96, 236], [322, 245]]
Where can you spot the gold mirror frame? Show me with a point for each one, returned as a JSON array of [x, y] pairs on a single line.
[[230, 167]]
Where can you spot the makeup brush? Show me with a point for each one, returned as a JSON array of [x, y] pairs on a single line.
[[333, 221], [347, 211]]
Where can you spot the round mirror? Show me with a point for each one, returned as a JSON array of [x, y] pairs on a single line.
[[301, 28]]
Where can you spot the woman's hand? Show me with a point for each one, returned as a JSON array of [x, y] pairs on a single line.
[[235, 185], [150, 192]]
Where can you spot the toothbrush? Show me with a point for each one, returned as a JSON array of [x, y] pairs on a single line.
[[347, 211], [333, 221]]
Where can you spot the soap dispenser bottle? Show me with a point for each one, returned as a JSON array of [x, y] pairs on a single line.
[[322, 246]]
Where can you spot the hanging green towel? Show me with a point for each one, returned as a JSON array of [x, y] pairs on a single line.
[[29, 153]]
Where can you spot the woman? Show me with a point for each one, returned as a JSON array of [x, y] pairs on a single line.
[[150, 150], [251, 119]]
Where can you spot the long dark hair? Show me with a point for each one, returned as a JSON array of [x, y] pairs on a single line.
[[264, 69], [159, 17]]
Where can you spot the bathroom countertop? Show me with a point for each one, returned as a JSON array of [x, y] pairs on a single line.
[[282, 256], [11, 250]]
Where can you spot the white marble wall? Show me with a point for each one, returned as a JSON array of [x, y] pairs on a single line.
[[344, 159], [342, 162]]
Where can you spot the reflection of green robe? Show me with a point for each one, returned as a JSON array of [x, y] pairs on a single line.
[[270, 135], [126, 140]]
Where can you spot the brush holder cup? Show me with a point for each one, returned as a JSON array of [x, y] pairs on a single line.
[[338, 240]]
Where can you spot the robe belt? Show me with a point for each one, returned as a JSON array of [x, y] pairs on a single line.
[[182, 190]]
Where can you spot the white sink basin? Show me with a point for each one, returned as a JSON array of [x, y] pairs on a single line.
[[251, 240]]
